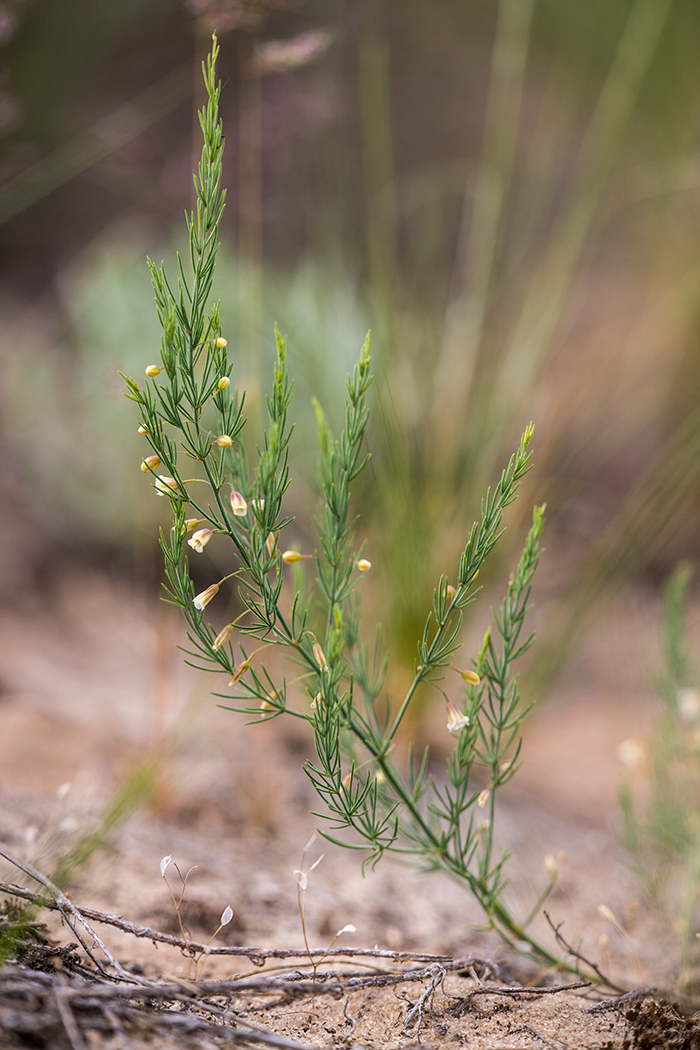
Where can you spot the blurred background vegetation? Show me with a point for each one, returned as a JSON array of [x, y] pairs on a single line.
[[505, 191]]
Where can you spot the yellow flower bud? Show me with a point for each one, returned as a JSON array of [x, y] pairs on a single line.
[[471, 677], [150, 463], [153, 370], [347, 779], [223, 636], [198, 540], [291, 556], [270, 544], [363, 565], [238, 504], [221, 343], [223, 441], [200, 601], [451, 591], [315, 702], [379, 776], [142, 429], [191, 523], [483, 799], [224, 383]]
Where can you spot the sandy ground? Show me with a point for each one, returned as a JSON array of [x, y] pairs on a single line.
[[91, 680]]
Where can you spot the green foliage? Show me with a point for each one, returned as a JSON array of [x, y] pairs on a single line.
[[660, 811], [372, 804]]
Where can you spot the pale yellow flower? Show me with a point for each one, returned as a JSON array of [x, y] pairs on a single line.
[[200, 601], [165, 485], [150, 463], [223, 636], [456, 720], [199, 539], [238, 674], [238, 504], [320, 657]]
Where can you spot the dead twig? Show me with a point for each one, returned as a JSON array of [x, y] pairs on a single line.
[[68, 1020], [256, 955], [34, 1003], [516, 992], [578, 955], [437, 980], [352, 1021], [620, 1000], [531, 1031], [66, 908]]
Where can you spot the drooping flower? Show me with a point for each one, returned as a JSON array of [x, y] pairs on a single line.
[[223, 636], [221, 343], [320, 657], [363, 565], [199, 539], [483, 798], [456, 720], [238, 504], [291, 556], [224, 383], [153, 370], [165, 486], [200, 601], [223, 441], [239, 672], [150, 463]]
